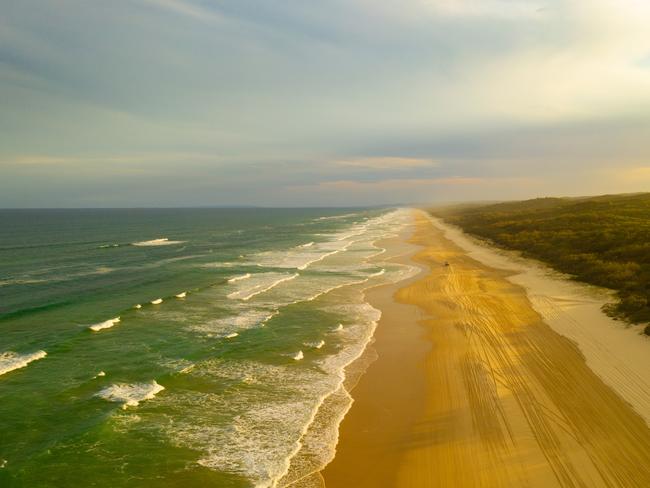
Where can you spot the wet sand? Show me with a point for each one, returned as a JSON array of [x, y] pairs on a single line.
[[472, 388]]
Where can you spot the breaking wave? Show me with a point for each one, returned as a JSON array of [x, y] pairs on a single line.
[[107, 324], [130, 395], [164, 241], [10, 361]]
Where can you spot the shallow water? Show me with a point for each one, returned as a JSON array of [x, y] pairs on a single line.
[[216, 384]]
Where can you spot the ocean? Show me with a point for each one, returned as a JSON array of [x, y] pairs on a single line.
[[182, 347]]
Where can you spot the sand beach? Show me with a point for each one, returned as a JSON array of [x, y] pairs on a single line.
[[474, 387]]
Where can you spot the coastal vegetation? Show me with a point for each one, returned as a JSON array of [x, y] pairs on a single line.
[[603, 241]]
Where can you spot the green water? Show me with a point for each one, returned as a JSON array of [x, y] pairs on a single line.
[[244, 360]]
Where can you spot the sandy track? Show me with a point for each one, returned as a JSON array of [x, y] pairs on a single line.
[[511, 402]]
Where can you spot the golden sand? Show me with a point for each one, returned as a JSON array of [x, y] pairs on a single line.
[[473, 389]]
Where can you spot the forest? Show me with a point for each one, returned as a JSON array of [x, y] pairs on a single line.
[[603, 241]]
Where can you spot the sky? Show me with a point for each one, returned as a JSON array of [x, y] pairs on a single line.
[[128, 103]]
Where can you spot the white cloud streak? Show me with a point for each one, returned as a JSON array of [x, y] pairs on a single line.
[[186, 8], [497, 9], [386, 162]]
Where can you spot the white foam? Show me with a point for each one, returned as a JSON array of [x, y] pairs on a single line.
[[219, 264], [101, 373], [339, 328], [309, 244], [157, 301], [136, 306], [301, 257], [107, 324], [231, 335], [245, 318], [337, 217], [10, 361], [315, 345], [298, 356], [266, 282], [272, 429], [22, 282], [269, 317], [130, 395], [234, 279], [181, 295], [256, 433], [323, 256], [164, 241]]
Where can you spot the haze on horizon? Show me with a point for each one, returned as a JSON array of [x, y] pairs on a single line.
[[339, 102]]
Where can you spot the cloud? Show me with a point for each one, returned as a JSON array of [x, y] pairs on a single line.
[[186, 8], [407, 183], [336, 96], [51, 160], [386, 163], [498, 9], [412, 190]]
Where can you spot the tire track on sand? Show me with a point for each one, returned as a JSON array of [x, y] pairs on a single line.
[[510, 402]]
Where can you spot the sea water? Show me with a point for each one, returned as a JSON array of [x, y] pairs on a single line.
[[181, 347]]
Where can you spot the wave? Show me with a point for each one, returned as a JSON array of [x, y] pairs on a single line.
[[263, 434], [269, 317], [337, 217], [27, 280], [259, 438], [246, 319], [163, 241], [316, 446], [20, 281], [298, 356], [325, 291], [157, 301], [266, 431], [219, 264], [107, 324], [231, 335], [130, 395], [10, 361], [323, 256], [239, 278], [104, 246], [301, 257], [187, 369], [182, 294], [248, 293], [137, 306]]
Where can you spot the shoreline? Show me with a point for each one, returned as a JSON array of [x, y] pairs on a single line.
[[360, 459], [472, 387], [335, 406]]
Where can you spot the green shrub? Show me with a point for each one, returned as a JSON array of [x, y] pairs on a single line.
[[604, 240]]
